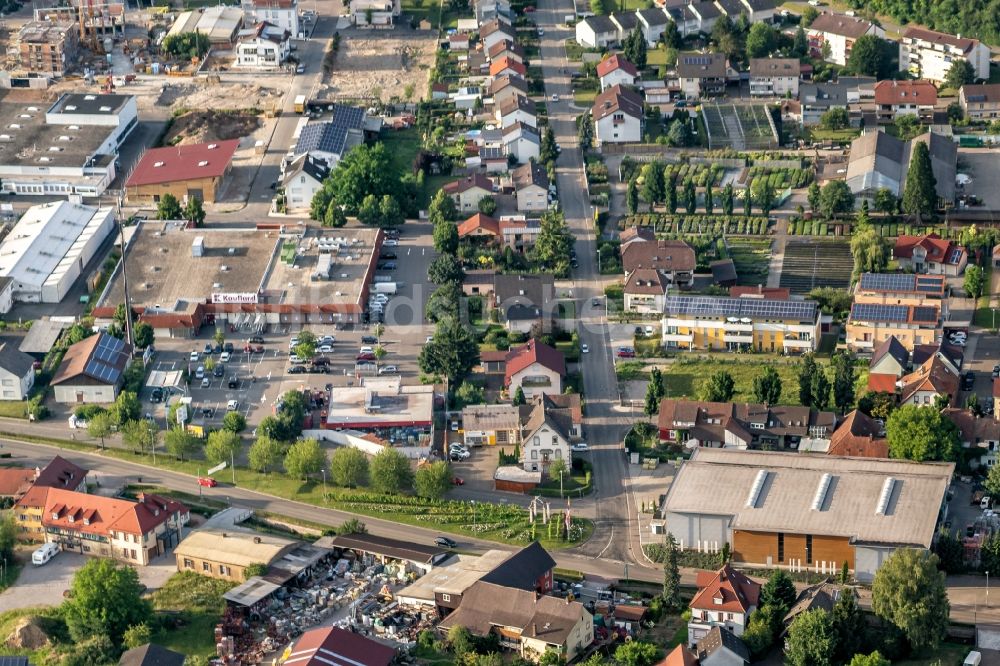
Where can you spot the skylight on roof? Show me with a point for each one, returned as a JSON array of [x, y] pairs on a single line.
[[71, 108], [157, 164], [203, 163], [89, 98]]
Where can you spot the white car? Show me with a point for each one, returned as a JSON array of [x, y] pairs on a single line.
[[325, 349], [388, 370], [580, 447], [584, 349], [456, 446], [225, 356], [390, 242], [232, 405], [206, 382], [327, 340], [555, 98], [366, 350], [294, 358], [454, 427], [430, 338], [460, 454], [292, 342], [194, 356], [541, 32], [200, 372]]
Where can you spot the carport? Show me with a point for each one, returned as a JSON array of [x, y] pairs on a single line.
[[164, 379]]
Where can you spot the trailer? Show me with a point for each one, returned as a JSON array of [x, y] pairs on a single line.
[[384, 288]]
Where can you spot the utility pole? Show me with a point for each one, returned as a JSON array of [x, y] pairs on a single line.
[[129, 337]]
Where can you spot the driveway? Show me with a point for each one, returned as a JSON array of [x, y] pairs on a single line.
[[44, 585]]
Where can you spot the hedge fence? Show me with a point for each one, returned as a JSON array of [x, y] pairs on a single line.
[[711, 225]]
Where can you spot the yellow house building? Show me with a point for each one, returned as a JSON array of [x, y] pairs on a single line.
[[741, 324], [912, 308]]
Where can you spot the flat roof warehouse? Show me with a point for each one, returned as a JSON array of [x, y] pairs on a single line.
[[231, 273]]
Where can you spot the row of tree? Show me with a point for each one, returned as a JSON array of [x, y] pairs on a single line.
[[657, 185]]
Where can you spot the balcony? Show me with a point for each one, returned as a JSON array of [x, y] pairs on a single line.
[[738, 338], [732, 324], [790, 343], [678, 337]]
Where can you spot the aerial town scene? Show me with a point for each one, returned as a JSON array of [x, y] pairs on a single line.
[[499, 332]]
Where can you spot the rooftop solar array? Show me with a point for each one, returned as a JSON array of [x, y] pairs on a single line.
[[925, 314], [757, 308], [900, 282], [331, 137], [105, 363], [893, 313]]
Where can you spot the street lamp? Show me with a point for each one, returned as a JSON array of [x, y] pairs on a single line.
[[987, 589], [324, 483], [560, 483]]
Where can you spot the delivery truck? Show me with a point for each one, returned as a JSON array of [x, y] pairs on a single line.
[[300, 104]]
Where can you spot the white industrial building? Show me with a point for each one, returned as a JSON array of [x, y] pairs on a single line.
[[70, 148], [49, 247]]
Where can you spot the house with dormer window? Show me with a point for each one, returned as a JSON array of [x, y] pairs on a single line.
[[725, 599]]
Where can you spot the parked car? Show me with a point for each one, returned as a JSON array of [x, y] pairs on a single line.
[[219, 370], [208, 349], [207, 481], [233, 382], [626, 352], [206, 382], [232, 405], [294, 358], [193, 357], [996, 371], [387, 255], [321, 360], [156, 395], [325, 349], [256, 340], [580, 447], [368, 340], [366, 356], [390, 242], [445, 542], [458, 481], [225, 357], [388, 370], [326, 340], [968, 381], [584, 349], [199, 373], [297, 370], [228, 348]]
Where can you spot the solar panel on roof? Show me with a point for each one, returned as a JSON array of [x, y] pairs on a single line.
[[926, 314], [741, 307], [879, 312], [887, 282]]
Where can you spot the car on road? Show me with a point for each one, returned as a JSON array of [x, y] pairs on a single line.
[[625, 352], [968, 381], [555, 98], [301, 69], [193, 357], [595, 302], [206, 382], [390, 242], [584, 349], [580, 447], [297, 370], [225, 357], [325, 349], [207, 481], [156, 395], [445, 542], [388, 370], [232, 405], [369, 340], [454, 427]]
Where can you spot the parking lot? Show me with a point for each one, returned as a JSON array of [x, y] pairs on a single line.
[[979, 163]]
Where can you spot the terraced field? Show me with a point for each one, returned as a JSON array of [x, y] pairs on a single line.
[[810, 263]]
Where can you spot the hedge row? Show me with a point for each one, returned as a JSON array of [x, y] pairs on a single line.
[[701, 175], [713, 225], [782, 178]]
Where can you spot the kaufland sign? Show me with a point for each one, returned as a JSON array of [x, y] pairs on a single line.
[[248, 297]]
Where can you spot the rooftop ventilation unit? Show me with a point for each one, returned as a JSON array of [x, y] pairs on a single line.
[[755, 490], [883, 499], [821, 490]]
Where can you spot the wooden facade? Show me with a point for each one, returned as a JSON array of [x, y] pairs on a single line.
[[774, 549]]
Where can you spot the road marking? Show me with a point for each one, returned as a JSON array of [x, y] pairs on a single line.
[[609, 542]]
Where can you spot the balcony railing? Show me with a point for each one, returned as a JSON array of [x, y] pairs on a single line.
[[738, 338]]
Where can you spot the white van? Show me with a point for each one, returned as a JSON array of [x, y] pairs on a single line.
[[973, 659], [45, 553]]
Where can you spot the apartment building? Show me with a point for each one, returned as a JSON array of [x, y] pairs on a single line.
[[741, 324], [909, 307], [774, 77], [47, 48], [839, 32], [980, 101], [928, 54]]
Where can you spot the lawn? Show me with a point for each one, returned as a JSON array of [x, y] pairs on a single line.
[[656, 58], [752, 258], [195, 605], [574, 52], [984, 315], [14, 409], [684, 377], [836, 136], [402, 146], [584, 97], [946, 654], [423, 9]]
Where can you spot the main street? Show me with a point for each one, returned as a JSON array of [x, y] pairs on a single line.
[[615, 537]]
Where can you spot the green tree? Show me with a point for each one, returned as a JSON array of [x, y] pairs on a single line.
[[767, 387], [974, 281], [585, 131], [106, 599], [125, 408], [960, 73], [445, 268], [877, 404], [391, 472], [721, 387], [99, 426], [140, 435], [556, 469], [137, 635], [885, 201], [870, 56], [222, 446], [762, 40], [873, 659], [690, 197], [778, 591], [834, 119], [635, 48], [671, 594], [679, 134], [869, 249], [653, 187], [637, 653], [670, 194], [709, 203], [434, 480], [487, 205], [650, 404], [800, 43], [920, 193], [835, 198], [366, 170], [759, 634], [460, 640], [820, 390], [921, 433], [264, 454], [442, 208], [334, 215], [390, 212], [143, 333], [548, 151], [305, 458], [632, 197], [452, 352], [180, 443], [234, 422], [468, 394], [727, 199], [186, 45], [194, 212], [98, 649], [992, 482], [843, 381], [348, 467], [807, 372], [809, 15], [815, 197], [909, 592], [811, 639], [444, 302], [168, 208], [518, 398], [849, 624], [671, 35], [445, 236]]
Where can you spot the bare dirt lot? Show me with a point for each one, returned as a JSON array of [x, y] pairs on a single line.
[[204, 126], [188, 95], [382, 64]]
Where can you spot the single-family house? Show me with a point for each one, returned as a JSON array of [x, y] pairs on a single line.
[[859, 435], [847, 92], [531, 187], [518, 232], [546, 436], [150, 654], [379, 12], [616, 70], [832, 36], [524, 299], [504, 88], [980, 101], [935, 378], [703, 15], [701, 74], [618, 116], [518, 109], [774, 77], [522, 141], [507, 49], [898, 98], [977, 432], [487, 10], [625, 23], [890, 357], [283, 14], [596, 32], [303, 178], [17, 372], [645, 291], [725, 598], [674, 260], [479, 226], [930, 254], [467, 192], [653, 22], [721, 647], [495, 31], [505, 66], [262, 47], [535, 368]]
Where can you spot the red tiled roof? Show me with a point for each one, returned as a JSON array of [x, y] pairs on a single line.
[[67, 509], [921, 93], [616, 99], [176, 163], [771, 293], [882, 383], [938, 249], [505, 62], [934, 37], [479, 225], [615, 63], [467, 183], [840, 24], [858, 436], [679, 656], [15, 481], [336, 646], [738, 593], [935, 375], [533, 351]]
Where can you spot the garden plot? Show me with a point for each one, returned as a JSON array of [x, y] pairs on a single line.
[[739, 126]]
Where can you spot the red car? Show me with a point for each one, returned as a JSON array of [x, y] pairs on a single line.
[[207, 481], [253, 349], [458, 481], [625, 352], [367, 356]]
